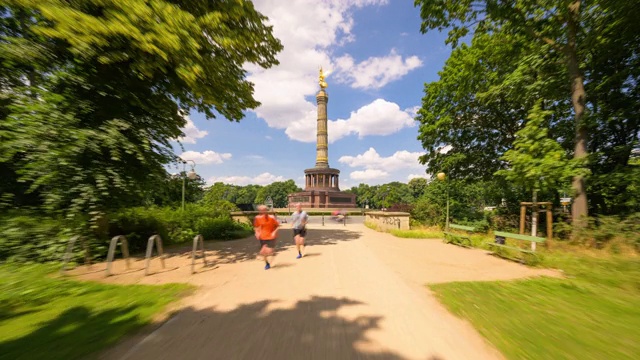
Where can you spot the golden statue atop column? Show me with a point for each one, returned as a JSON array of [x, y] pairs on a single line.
[[323, 84], [322, 187]]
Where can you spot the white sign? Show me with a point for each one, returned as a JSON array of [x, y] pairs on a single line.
[[565, 200]]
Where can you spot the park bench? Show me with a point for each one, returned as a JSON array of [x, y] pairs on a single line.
[[506, 235], [457, 238]]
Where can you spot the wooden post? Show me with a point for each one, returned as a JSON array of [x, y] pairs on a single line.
[[549, 222], [523, 214]]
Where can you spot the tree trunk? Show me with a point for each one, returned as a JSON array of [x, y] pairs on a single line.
[[579, 209]]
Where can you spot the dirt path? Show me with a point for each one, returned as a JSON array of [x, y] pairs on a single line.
[[357, 294]]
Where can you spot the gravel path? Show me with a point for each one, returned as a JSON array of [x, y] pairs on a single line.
[[357, 294]]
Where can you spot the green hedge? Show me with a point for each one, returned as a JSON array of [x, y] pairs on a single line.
[[28, 238], [31, 237]]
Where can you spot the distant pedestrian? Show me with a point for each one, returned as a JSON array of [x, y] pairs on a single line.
[[299, 224], [266, 231]]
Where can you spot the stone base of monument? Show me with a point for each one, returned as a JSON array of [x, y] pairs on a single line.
[[323, 199]]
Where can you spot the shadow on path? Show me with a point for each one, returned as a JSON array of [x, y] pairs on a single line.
[[235, 251], [310, 329]]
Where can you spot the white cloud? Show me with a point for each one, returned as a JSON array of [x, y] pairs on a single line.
[[262, 179], [374, 72], [369, 174], [191, 132], [309, 30], [413, 176], [445, 149], [206, 157], [380, 117], [371, 160]]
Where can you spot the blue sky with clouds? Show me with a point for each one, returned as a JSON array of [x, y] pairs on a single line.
[[377, 62]]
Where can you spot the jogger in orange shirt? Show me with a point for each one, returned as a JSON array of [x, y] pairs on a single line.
[[266, 231]]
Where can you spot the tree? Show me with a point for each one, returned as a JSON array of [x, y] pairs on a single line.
[[278, 192], [94, 91], [221, 192], [418, 186], [247, 194], [393, 193], [480, 102], [365, 195], [536, 161], [575, 31], [169, 191], [556, 24]]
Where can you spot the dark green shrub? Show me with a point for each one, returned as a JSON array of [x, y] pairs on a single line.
[[30, 238], [220, 229], [137, 225]]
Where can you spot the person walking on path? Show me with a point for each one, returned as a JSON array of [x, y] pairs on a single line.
[[299, 224], [266, 231]]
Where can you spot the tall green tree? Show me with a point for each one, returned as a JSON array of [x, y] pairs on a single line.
[[557, 24], [538, 162], [93, 91], [571, 30], [480, 102]]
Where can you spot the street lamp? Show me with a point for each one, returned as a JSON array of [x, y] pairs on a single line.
[[191, 175], [443, 177]]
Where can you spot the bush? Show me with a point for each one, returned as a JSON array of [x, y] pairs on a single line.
[[175, 226], [29, 238], [428, 213], [479, 225], [34, 237], [221, 228], [601, 230]]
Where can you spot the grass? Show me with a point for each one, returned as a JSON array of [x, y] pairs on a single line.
[[593, 314], [51, 318], [426, 233], [419, 233]]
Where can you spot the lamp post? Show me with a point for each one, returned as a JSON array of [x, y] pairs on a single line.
[[443, 177], [191, 175]]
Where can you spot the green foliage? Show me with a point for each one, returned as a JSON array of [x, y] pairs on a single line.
[[417, 234], [536, 161], [173, 225], [32, 238], [80, 318], [278, 192], [522, 53], [169, 191], [466, 201], [418, 186], [603, 229], [220, 229], [594, 310], [94, 91]]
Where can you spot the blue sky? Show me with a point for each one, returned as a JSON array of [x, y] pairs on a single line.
[[377, 62]]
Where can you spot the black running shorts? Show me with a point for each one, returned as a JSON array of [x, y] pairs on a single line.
[[269, 243], [302, 232]]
